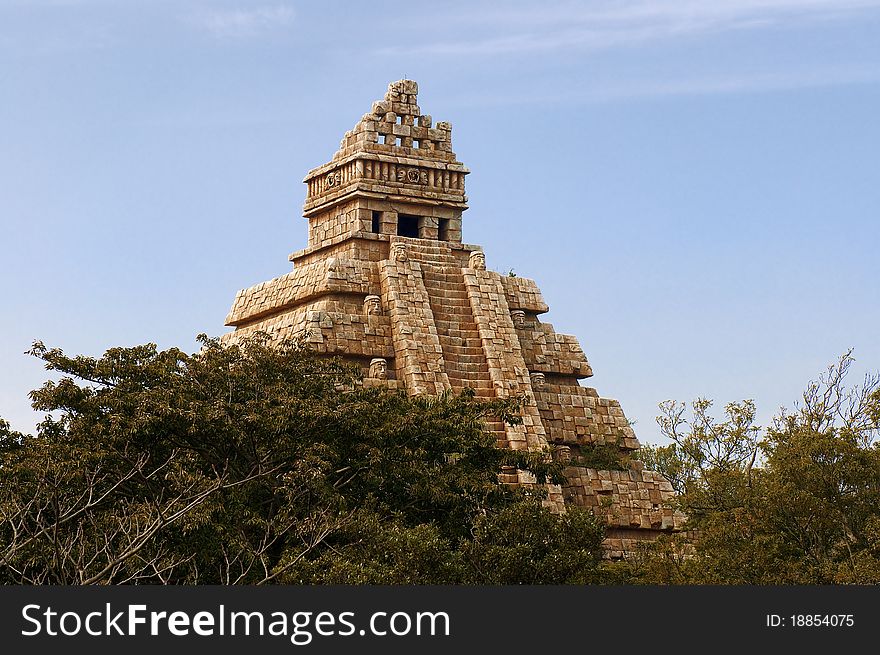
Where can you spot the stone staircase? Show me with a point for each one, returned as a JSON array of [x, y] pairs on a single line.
[[457, 332]]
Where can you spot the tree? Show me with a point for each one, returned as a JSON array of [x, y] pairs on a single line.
[[258, 464], [798, 503]]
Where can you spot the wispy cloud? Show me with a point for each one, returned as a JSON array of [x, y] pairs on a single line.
[[736, 83], [747, 83], [566, 26], [244, 23]]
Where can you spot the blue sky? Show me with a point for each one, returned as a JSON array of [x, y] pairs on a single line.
[[694, 185]]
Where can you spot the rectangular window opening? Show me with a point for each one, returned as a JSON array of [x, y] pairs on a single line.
[[408, 226], [376, 225], [416, 143], [443, 230]]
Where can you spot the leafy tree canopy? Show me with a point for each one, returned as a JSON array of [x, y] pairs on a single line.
[[795, 503], [257, 464]]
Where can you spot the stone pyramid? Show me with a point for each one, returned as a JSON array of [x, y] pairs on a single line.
[[386, 282]]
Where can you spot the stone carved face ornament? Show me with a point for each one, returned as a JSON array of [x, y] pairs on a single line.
[[477, 260], [519, 318], [412, 175], [398, 252], [562, 454], [538, 381], [372, 306], [379, 369], [333, 179]]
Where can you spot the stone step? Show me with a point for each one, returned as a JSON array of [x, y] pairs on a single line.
[[467, 368], [463, 355], [452, 306], [483, 393], [456, 351], [465, 318], [436, 257], [452, 303], [449, 266], [465, 341], [440, 276], [428, 259], [451, 280], [444, 297], [453, 321], [480, 390], [469, 347], [460, 337], [455, 280], [434, 277], [463, 360], [471, 375], [462, 341], [448, 321]]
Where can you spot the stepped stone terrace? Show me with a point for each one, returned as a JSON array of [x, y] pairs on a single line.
[[386, 282]]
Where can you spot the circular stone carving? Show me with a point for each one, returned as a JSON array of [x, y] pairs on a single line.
[[413, 175]]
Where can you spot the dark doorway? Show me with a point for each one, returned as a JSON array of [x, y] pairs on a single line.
[[377, 222], [408, 226], [443, 229]]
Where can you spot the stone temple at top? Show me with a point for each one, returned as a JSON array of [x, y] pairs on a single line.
[[385, 281]]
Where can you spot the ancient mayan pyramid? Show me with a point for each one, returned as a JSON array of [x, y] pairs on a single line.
[[386, 282]]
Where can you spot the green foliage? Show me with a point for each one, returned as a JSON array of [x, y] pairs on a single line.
[[522, 543], [9, 439], [796, 504], [256, 464], [525, 544], [605, 457]]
